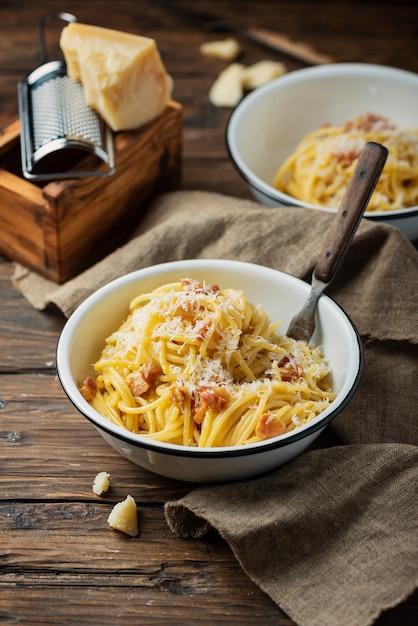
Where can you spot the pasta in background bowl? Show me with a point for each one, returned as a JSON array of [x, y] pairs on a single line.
[[280, 295], [267, 128]]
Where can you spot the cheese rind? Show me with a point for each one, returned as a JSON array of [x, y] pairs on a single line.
[[227, 89], [123, 76]]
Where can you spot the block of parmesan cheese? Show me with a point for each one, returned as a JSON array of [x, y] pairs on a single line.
[[123, 76]]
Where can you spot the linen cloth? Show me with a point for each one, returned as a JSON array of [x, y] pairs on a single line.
[[332, 536]]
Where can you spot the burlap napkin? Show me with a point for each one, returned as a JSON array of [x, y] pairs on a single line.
[[332, 536]]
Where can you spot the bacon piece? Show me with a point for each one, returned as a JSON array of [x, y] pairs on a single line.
[[140, 381], [150, 371], [203, 330], [210, 398], [346, 153], [88, 388], [269, 426], [198, 287], [189, 305], [137, 384], [289, 369], [346, 158], [212, 289], [178, 395], [369, 122], [187, 309]]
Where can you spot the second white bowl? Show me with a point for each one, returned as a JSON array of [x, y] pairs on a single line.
[[267, 125]]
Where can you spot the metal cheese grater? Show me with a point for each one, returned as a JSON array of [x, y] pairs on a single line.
[[58, 128]]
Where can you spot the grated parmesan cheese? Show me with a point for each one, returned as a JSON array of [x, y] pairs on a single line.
[[212, 370], [213, 350]]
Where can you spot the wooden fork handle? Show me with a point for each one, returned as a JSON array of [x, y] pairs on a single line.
[[353, 205], [281, 43]]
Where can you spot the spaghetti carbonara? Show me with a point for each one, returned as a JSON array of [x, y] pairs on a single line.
[[197, 365], [319, 170]]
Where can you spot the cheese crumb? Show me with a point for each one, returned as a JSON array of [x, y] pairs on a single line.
[[124, 517], [259, 73], [101, 483], [227, 49], [227, 89]]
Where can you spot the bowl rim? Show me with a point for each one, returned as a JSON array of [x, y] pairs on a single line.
[[139, 441], [340, 69]]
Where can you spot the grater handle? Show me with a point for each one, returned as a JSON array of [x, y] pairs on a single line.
[[66, 17]]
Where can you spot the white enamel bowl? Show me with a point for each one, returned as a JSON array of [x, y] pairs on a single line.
[[267, 125], [280, 294]]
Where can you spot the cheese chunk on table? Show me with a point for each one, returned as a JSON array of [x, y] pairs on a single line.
[[124, 517], [123, 76], [101, 483]]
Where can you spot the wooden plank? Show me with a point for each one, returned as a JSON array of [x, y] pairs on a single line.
[[106, 606], [68, 550], [52, 450], [27, 337], [163, 597]]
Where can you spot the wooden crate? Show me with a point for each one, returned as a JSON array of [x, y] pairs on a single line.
[[60, 228]]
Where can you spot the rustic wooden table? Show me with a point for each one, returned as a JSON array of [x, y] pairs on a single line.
[[59, 561]]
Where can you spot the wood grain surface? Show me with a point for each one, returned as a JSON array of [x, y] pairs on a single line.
[[59, 561]]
